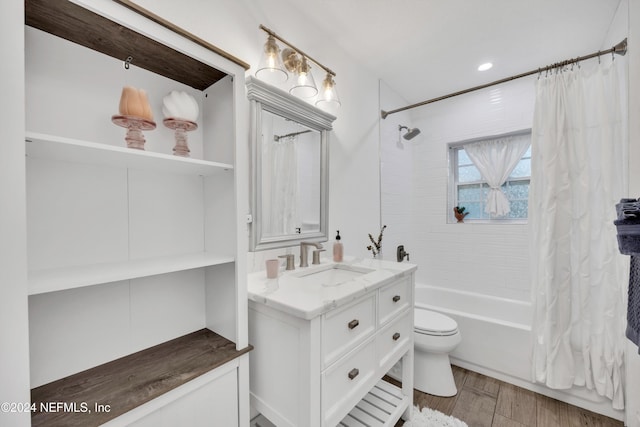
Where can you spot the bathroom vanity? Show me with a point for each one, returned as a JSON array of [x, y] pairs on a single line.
[[324, 336]]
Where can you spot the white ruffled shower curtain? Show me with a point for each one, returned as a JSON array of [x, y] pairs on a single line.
[[578, 175], [283, 157]]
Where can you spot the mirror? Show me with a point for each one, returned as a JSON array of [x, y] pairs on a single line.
[[289, 149]]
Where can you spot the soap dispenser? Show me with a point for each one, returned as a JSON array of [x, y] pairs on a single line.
[[337, 248]]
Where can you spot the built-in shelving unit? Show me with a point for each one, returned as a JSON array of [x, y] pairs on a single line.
[[136, 258]]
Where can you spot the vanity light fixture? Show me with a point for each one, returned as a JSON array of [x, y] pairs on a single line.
[[270, 68], [297, 63]]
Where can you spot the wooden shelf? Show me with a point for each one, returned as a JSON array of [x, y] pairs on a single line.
[[126, 383], [71, 22], [73, 150], [59, 279]]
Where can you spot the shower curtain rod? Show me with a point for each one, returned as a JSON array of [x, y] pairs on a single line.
[[279, 137], [620, 49]]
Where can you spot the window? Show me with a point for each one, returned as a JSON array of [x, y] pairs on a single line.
[[470, 190]]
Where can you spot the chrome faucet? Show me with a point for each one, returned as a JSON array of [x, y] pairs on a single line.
[[304, 261]]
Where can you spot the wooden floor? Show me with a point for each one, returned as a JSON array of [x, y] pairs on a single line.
[[486, 402]]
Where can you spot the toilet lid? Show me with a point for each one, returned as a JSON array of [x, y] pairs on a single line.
[[430, 322]]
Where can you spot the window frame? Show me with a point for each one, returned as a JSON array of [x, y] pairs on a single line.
[[454, 184]]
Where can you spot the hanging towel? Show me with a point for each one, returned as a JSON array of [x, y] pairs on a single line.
[[633, 311], [628, 226]]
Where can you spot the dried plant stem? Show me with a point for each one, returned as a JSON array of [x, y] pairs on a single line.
[[377, 244]]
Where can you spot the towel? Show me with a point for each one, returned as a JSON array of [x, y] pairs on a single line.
[[633, 309], [628, 226]]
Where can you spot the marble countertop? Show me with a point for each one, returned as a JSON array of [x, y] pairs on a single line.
[[309, 299]]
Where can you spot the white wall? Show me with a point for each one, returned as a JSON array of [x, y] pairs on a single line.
[[14, 350], [485, 258], [232, 25]]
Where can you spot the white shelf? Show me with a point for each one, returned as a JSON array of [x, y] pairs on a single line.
[[381, 407], [60, 148], [58, 279]]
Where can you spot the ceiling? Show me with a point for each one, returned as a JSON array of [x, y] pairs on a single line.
[[428, 48]]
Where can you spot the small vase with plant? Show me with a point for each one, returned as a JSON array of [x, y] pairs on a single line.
[[459, 212], [376, 248]]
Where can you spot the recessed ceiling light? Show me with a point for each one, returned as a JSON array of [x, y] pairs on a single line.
[[485, 66]]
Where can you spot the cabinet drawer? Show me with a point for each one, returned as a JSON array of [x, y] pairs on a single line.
[[392, 340], [346, 382], [394, 298], [343, 329]]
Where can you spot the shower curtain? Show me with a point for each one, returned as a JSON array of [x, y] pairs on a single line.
[[283, 202], [578, 175]]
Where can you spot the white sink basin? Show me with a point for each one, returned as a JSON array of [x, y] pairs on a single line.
[[331, 275]]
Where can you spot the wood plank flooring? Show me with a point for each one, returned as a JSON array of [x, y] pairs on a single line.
[[487, 402]]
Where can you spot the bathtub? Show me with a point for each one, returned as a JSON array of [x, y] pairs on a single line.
[[496, 332], [496, 341]]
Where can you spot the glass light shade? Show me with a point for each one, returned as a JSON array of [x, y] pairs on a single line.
[[328, 97], [304, 85], [270, 68]]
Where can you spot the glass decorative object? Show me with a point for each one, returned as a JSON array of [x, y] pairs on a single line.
[[181, 127], [135, 126]]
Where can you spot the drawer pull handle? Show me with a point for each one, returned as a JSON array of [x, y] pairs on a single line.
[[353, 323], [396, 298], [396, 336], [353, 373]]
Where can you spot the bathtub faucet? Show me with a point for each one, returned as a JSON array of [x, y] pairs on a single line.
[[401, 253]]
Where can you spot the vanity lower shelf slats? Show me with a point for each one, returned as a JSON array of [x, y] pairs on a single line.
[[382, 406], [126, 383]]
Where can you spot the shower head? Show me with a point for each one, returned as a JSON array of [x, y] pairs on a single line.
[[411, 133]]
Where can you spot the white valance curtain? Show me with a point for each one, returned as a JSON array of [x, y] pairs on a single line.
[[579, 278], [496, 159]]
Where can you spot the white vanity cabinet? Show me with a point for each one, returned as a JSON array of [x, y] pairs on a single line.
[[323, 366], [136, 258]]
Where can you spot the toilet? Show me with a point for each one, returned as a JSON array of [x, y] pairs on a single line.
[[435, 336]]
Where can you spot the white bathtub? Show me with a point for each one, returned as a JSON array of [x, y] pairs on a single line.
[[496, 341], [496, 332]]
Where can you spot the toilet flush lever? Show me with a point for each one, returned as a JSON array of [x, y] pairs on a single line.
[[401, 253]]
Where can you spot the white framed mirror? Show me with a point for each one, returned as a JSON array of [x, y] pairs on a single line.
[[290, 155]]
